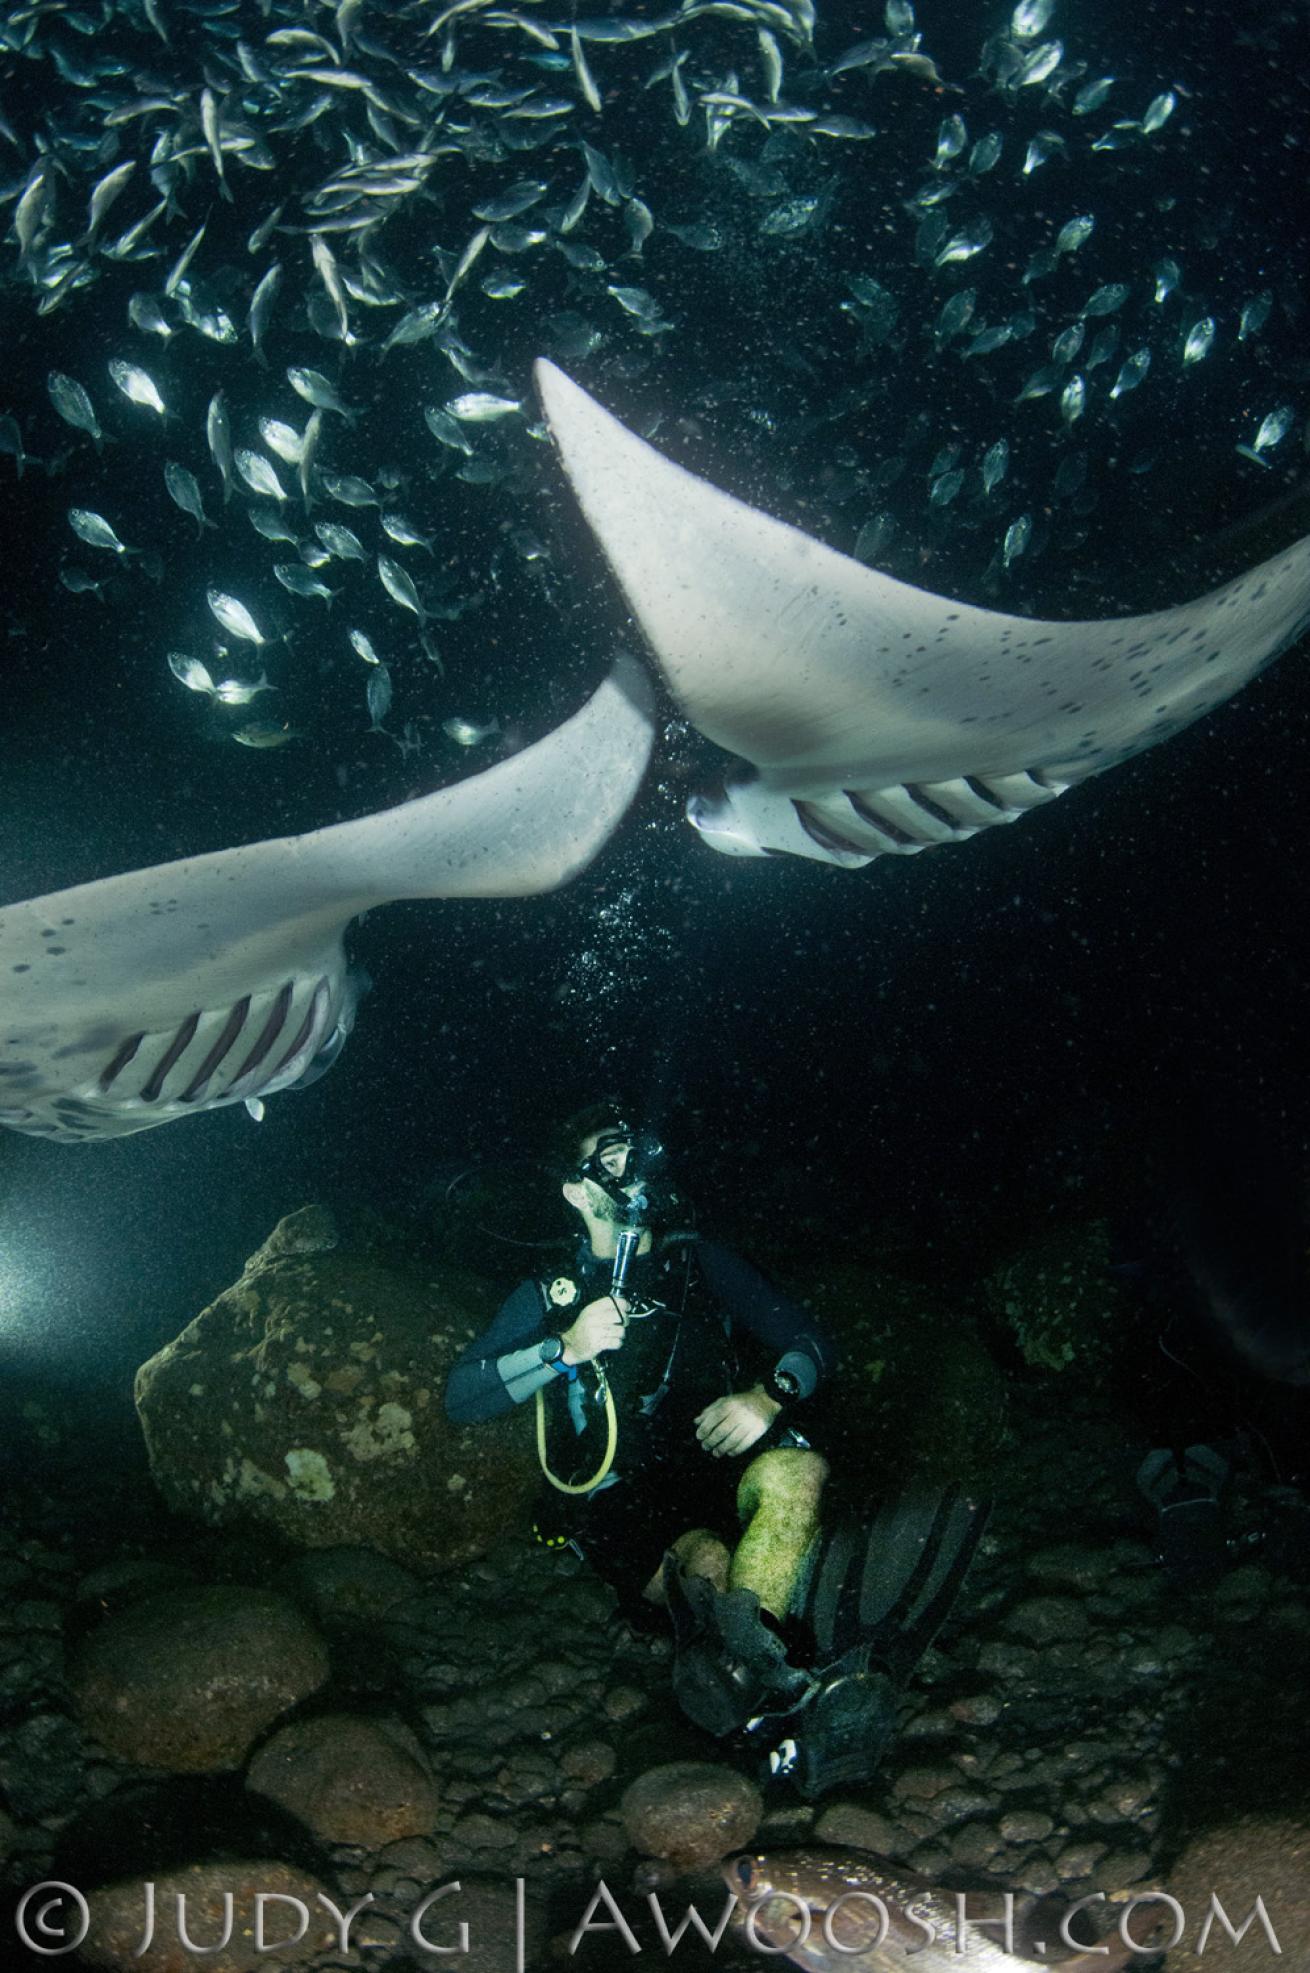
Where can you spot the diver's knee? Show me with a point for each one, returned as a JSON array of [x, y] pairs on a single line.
[[699, 1552], [792, 1476]]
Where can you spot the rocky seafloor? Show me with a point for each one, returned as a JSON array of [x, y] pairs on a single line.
[[207, 1707]]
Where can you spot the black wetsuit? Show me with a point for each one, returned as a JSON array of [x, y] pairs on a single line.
[[718, 1327]]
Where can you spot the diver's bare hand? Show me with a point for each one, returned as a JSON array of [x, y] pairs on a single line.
[[732, 1425], [598, 1327]]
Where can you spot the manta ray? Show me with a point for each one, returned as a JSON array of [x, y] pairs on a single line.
[[872, 718], [218, 979]]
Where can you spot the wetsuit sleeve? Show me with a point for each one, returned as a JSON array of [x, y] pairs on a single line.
[[501, 1367], [801, 1345]]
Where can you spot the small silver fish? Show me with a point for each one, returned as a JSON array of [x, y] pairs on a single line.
[[309, 442], [1131, 373], [1073, 233], [1040, 64], [145, 313], [478, 407], [103, 194], [986, 154], [1168, 274], [136, 385], [314, 387], [363, 644], [1274, 428], [294, 576], [1073, 399], [378, 696], [1092, 94], [470, 732], [269, 522], [1041, 149], [400, 587], [1158, 112], [74, 406], [240, 691], [951, 140], [191, 673], [511, 203], [258, 474], [95, 530], [350, 490], [955, 316], [1104, 345], [184, 489], [874, 537], [995, 465], [1029, 18], [340, 541], [1017, 536], [1200, 340], [285, 440], [399, 530], [261, 309], [235, 617], [263, 733], [1107, 300], [330, 275], [218, 432], [1255, 313], [1042, 381], [964, 245], [636, 302]]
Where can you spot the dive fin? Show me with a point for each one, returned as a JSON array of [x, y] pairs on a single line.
[[730, 1666], [890, 1581]]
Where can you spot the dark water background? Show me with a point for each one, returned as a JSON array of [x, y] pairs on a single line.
[[944, 1051]]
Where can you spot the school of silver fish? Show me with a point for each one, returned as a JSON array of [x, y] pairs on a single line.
[[296, 225]]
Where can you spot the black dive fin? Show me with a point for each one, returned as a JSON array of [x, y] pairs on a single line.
[[878, 1592], [839, 1736], [888, 1582], [729, 1665]]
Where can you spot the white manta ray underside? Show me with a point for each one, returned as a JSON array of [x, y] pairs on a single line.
[[879, 719], [218, 979]]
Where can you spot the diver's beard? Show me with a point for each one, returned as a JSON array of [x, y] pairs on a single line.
[[608, 1211]]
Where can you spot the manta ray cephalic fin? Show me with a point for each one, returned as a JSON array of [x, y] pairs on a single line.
[[879, 718]]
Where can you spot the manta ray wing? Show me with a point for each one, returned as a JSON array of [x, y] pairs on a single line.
[[146, 997], [880, 718]]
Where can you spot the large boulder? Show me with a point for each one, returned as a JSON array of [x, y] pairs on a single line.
[[309, 1397], [189, 1679], [349, 1779], [1263, 1857], [691, 1813], [191, 1917]]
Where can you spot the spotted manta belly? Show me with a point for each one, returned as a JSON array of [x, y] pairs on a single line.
[[162, 993], [876, 718], [264, 1042]]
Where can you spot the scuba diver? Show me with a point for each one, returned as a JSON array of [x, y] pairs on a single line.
[[677, 1395]]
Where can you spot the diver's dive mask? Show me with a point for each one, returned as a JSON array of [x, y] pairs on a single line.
[[626, 1165], [621, 1159]]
